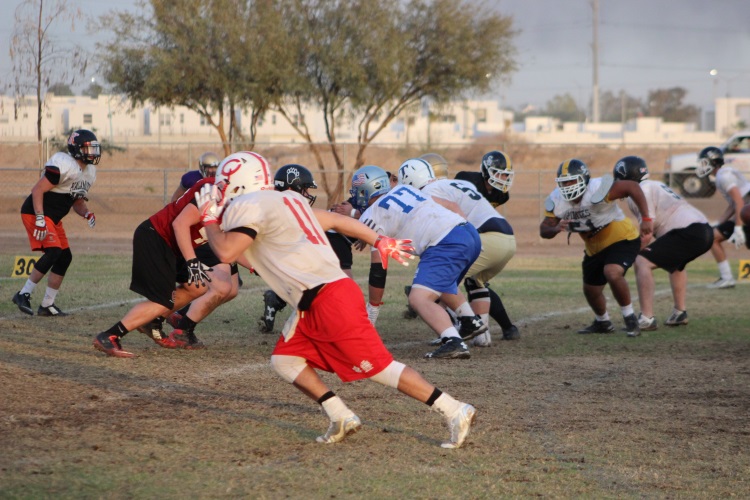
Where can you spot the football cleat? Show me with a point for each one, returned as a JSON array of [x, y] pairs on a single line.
[[460, 425], [409, 312], [174, 319], [631, 326], [597, 326], [110, 345], [23, 301], [339, 429], [51, 310], [647, 324], [721, 284], [471, 326], [511, 333], [154, 330], [482, 340], [677, 318], [186, 339], [450, 348]]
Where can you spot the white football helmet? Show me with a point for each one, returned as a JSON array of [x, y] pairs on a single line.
[[367, 182], [243, 172], [415, 172]]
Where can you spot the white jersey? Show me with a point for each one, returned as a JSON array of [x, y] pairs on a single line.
[[73, 180], [599, 224], [291, 252], [476, 208], [668, 210], [727, 178], [406, 213]]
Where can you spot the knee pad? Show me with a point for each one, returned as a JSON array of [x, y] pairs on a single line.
[[390, 375], [288, 367], [63, 262], [48, 259], [377, 275], [476, 290]]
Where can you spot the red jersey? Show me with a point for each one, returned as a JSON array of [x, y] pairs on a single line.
[[162, 220]]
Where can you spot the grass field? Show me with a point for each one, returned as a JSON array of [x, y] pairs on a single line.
[[560, 415]]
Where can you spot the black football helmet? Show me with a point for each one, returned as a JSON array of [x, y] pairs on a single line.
[[497, 170], [572, 170], [297, 178], [709, 159], [208, 163], [631, 168], [83, 145]]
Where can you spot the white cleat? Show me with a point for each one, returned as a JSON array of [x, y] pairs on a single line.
[[482, 340], [721, 284], [339, 429], [460, 425]]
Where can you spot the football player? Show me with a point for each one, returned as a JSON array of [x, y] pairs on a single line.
[[64, 184], [585, 205], [681, 234], [170, 247], [207, 165], [736, 191], [282, 237], [496, 234], [446, 244]]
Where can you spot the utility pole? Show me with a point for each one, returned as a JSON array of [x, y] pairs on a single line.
[[595, 61]]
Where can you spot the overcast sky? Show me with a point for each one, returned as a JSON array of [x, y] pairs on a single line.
[[643, 45]]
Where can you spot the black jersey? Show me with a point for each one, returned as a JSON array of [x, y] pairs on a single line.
[[494, 196]]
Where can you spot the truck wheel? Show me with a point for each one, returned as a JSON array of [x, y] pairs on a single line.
[[692, 186]]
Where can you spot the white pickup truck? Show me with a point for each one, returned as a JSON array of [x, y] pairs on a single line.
[[680, 169]]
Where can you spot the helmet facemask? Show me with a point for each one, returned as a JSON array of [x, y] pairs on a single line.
[[241, 173], [367, 183], [416, 172]]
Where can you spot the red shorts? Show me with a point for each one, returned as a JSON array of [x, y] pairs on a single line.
[[55, 233], [334, 335]]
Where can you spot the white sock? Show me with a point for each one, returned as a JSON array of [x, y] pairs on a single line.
[[465, 310], [603, 317], [449, 332], [627, 310], [485, 318], [446, 405], [28, 287], [336, 409], [49, 297], [725, 271]]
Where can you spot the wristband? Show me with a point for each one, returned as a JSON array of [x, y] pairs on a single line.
[[353, 212], [647, 219]]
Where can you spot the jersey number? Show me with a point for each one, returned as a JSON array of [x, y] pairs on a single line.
[[384, 203], [469, 191], [303, 219]]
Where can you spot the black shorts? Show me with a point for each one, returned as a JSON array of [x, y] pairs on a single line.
[[673, 251], [154, 266], [622, 253], [206, 256], [343, 248]]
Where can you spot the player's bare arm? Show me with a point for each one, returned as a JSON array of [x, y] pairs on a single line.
[[181, 224], [345, 225], [626, 188], [228, 247], [550, 227], [37, 193]]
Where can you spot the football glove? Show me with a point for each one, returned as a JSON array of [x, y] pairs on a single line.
[[89, 216], [373, 311], [40, 227], [738, 237], [197, 273], [398, 250], [210, 200]]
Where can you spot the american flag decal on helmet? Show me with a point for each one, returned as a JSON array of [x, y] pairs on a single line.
[[359, 179]]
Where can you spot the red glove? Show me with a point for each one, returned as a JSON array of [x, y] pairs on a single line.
[[398, 250]]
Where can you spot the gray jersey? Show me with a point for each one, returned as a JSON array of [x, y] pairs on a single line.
[[727, 178]]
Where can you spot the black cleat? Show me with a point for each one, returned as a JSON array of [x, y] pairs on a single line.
[[23, 301], [511, 333], [272, 304], [451, 348], [471, 326], [597, 326], [52, 310]]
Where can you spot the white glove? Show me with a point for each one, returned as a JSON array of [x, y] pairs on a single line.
[[89, 216], [738, 237], [40, 231], [372, 312], [210, 200]]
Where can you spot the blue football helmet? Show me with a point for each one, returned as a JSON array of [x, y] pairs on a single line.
[[367, 182]]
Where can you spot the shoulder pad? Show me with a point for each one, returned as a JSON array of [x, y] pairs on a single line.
[[603, 189], [549, 205]]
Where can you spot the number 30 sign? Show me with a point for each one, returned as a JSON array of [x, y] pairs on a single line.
[[22, 266]]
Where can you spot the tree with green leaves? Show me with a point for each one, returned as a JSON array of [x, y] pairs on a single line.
[[367, 62], [564, 108], [668, 104], [39, 58], [215, 57]]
